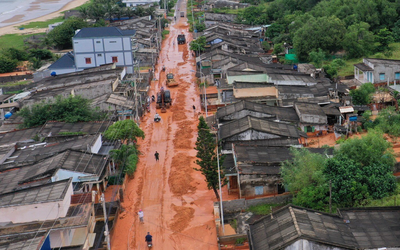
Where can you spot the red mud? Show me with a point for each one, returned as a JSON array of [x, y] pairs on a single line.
[[177, 206]]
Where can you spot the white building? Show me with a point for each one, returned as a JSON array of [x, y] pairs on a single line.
[[102, 45], [133, 3]]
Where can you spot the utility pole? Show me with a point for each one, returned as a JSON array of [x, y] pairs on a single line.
[[330, 196], [106, 232], [220, 192]]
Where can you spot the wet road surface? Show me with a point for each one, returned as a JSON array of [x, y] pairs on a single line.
[[177, 206]]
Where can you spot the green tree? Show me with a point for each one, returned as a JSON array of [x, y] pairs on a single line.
[[15, 54], [126, 130], [207, 157], [316, 57], [41, 54], [61, 36], [304, 177], [71, 109], [126, 157], [384, 38], [363, 95], [388, 121], [396, 31], [7, 64], [361, 169], [35, 63], [325, 33], [265, 45], [359, 41], [198, 45], [278, 48]]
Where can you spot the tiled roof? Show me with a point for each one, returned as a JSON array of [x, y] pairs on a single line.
[[241, 125]]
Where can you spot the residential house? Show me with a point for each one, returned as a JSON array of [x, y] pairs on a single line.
[[242, 109], [377, 71], [224, 4], [102, 45], [312, 117], [211, 19], [35, 203], [133, 3], [74, 230], [256, 129], [258, 169], [293, 227]]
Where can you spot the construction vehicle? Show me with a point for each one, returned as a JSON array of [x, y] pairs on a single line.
[[181, 39], [170, 82], [164, 100]]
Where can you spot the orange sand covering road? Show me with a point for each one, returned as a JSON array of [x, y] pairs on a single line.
[[178, 207]]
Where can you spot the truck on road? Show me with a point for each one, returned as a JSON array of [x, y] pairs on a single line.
[[181, 39], [182, 14]]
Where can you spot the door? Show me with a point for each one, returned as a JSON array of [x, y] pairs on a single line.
[[233, 184]]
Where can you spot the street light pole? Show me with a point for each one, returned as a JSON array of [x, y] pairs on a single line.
[[220, 192]]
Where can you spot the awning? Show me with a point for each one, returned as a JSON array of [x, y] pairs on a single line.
[[9, 105], [346, 109]]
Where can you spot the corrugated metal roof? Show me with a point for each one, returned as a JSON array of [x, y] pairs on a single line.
[[103, 32], [346, 109], [238, 126]]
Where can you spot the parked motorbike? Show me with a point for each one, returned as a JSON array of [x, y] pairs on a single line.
[[148, 109], [163, 68], [153, 98]]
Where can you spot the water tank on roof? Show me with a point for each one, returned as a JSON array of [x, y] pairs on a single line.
[[7, 115], [53, 73]]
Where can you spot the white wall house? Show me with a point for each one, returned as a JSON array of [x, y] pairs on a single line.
[[102, 45], [46, 202], [133, 3]]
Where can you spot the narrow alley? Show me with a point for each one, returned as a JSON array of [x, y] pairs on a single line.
[[177, 206]]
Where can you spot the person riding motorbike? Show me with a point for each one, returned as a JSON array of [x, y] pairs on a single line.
[[149, 239], [163, 67], [157, 117], [153, 98]]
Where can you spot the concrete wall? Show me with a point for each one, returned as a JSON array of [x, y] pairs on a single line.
[[234, 207], [388, 70], [250, 135], [249, 182], [101, 51], [38, 211], [97, 145]]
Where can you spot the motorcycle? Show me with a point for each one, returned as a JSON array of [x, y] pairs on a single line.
[[157, 118], [153, 98], [148, 109], [149, 244], [163, 68]]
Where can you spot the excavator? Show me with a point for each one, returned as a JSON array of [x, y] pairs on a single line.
[[164, 100]]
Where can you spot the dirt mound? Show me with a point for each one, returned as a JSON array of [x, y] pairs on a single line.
[[182, 218], [184, 135], [180, 178], [178, 116]]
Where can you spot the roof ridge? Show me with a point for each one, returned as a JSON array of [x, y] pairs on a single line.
[[296, 225]]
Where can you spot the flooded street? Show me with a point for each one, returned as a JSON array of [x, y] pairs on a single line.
[[177, 206]]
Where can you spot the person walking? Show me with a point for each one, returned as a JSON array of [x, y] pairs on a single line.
[[141, 215], [194, 108], [156, 155]]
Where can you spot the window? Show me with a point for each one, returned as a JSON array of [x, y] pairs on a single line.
[[98, 42], [88, 60], [258, 190], [382, 77], [99, 55], [114, 59], [113, 41], [397, 75]]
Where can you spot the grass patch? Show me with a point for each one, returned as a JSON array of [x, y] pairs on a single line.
[[10, 84], [43, 24], [67, 133], [13, 92], [227, 11], [348, 69], [392, 200], [164, 33], [233, 224], [13, 40], [145, 68], [263, 209]]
